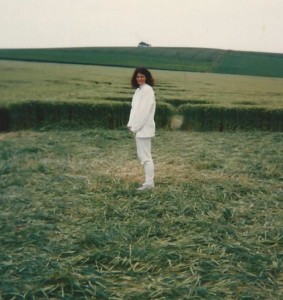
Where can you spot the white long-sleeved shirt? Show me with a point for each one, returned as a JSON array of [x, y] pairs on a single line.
[[141, 121]]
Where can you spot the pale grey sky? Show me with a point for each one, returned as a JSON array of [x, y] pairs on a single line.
[[252, 25]]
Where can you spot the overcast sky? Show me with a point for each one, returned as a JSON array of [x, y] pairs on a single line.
[[252, 25]]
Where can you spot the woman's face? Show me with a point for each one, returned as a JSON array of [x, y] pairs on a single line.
[[140, 79]]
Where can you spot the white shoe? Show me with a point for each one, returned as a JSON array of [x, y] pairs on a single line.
[[146, 187]]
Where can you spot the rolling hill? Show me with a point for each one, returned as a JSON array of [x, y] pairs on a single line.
[[177, 59]]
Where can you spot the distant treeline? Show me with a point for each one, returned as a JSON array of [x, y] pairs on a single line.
[[177, 59]]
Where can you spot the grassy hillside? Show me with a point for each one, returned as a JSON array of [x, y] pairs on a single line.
[[178, 59], [249, 63]]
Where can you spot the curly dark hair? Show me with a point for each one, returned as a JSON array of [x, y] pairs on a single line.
[[148, 77]]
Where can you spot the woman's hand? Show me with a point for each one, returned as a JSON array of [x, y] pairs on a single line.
[[130, 131]]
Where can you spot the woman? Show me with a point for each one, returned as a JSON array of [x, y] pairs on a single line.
[[141, 122]]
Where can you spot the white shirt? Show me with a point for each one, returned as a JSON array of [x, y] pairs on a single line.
[[141, 121]]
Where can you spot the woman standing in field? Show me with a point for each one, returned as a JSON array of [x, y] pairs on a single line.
[[141, 122]]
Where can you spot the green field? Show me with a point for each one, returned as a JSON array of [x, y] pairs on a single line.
[[73, 225], [35, 93], [176, 59], [23, 81]]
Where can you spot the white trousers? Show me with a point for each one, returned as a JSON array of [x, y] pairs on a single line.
[[144, 155]]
